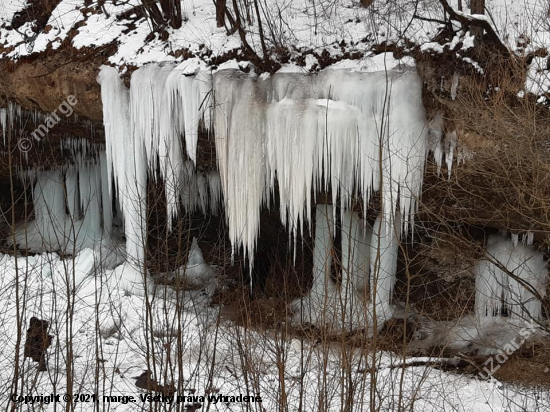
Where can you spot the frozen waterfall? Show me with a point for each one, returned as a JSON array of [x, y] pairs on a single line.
[[506, 278]]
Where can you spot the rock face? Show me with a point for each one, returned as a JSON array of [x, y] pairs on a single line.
[[44, 82]]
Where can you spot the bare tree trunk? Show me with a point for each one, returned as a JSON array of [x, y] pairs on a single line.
[[170, 14], [477, 7], [220, 12]]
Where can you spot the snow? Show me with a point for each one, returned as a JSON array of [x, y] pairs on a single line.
[[110, 325], [8, 9], [538, 77], [483, 336]]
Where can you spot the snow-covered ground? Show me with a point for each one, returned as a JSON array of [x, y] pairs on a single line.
[[187, 343]]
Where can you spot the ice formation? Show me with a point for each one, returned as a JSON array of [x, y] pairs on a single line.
[[164, 104], [454, 85], [67, 205], [352, 132], [348, 132], [368, 269], [506, 278], [384, 248], [435, 139], [356, 242], [442, 144], [125, 159], [327, 304]]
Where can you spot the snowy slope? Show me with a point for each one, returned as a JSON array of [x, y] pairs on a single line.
[[108, 332], [301, 24], [301, 27]]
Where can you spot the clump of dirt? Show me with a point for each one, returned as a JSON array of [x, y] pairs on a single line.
[[37, 342], [147, 382], [529, 366]]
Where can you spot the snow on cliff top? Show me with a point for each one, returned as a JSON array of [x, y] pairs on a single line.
[[330, 26], [301, 24]]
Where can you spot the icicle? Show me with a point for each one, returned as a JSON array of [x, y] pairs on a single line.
[[241, 156], [202, 187], [73, 197], [530, 238], [355, 252], [349, 132], [327, 305], [450, 145], [3, 122], [515, 239], [214, 184], [434, 139], [335, 131], [47, 232], [125, 156], [89, 183], [497, 291], [106, 204], [188, 87], [454, 86], [384, 248]]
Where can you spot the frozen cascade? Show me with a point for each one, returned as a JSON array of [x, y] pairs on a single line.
[[328, 305], [239, 142], [349, 132], [383, 265], [106, 203], [215, 188], [56, 192], [90, 200], [335, 130], [356, 238], [125, 157], [73, 195], [369, 261], [149, 120], [49, 209], [497, 291]]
